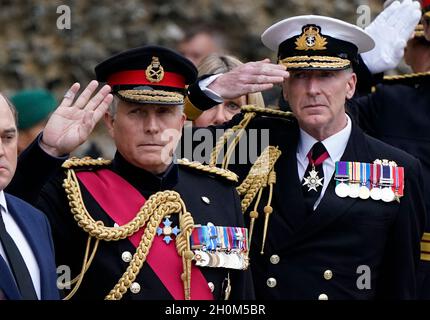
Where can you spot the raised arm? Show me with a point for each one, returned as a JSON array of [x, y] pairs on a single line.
[[67, 128]]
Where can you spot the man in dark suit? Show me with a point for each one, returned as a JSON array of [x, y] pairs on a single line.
[[27, 264], [331, 232]]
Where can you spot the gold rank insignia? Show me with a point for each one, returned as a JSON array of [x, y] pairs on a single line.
[[154, 72], [310, 39]]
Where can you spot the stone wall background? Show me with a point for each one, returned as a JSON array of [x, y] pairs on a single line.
[[36, 54]]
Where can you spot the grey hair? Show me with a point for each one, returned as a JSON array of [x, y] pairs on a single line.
[[11, 107], [113, 108], [180, 107]]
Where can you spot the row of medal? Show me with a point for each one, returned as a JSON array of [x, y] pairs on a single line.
[[381, 180], [220, 247]]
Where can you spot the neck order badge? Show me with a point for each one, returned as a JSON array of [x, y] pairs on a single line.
[[316, 156]]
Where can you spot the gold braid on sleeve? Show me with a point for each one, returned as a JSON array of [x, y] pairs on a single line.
[[150, 214]]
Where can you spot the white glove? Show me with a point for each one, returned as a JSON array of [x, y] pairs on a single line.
[[391, 30]]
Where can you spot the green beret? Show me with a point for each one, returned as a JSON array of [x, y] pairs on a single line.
[[33, 106]]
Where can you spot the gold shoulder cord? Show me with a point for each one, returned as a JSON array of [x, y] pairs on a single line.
[[250, 112], [240, 129], [261, 174], [152, 213]]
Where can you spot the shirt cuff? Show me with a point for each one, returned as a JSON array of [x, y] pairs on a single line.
[[203, 84]]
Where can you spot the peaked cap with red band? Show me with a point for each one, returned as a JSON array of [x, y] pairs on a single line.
[[148, 74]]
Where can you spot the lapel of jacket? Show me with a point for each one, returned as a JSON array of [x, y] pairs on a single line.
[[288, 190], [24, 224], [7, 282], [331, 206], [288, 196]]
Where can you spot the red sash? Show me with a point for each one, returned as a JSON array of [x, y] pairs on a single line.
[[121, 201]]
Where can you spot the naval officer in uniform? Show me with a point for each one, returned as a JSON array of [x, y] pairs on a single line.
[[335, 225]]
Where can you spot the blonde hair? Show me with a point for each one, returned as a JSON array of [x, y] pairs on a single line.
[[220, 63]]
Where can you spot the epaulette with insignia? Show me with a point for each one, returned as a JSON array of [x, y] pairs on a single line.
[[408, 79], [75, 162], [227, 174]]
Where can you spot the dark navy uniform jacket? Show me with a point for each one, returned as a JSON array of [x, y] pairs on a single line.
[[399, 114], [343, 236], [108, 266]]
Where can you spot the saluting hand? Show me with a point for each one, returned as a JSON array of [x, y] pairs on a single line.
[[73, 121], [248, 78]]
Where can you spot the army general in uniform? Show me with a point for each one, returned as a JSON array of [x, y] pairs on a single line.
[[144, 225]]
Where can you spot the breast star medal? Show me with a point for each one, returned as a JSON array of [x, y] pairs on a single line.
[[313, 181], [167, 231]]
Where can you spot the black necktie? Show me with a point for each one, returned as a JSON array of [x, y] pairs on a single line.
[[17, 264], [313, 180]]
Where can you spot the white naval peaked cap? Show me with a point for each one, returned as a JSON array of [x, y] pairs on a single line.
[[317, 42], [273, 36]]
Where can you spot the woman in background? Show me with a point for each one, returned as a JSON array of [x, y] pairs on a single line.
[[216, 64]]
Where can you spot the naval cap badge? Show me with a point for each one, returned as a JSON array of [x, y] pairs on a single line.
[[311, 39]]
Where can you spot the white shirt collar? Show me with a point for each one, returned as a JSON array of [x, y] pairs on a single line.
[[3, 206], [335, 144]]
